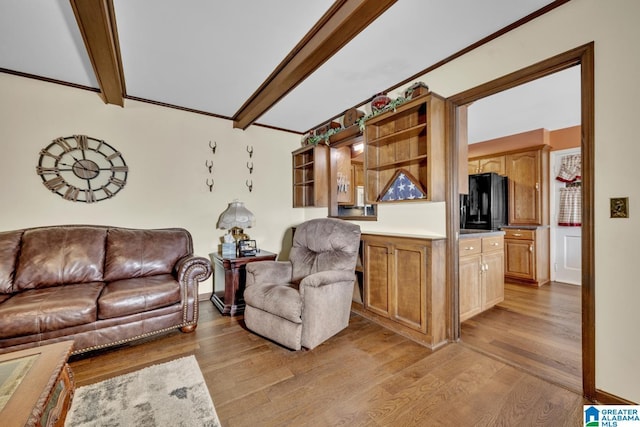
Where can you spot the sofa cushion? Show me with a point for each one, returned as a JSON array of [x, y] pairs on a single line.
[[130, 296], [43, 310], [139, 253], [60, 255], [280, 300], [9, 249]]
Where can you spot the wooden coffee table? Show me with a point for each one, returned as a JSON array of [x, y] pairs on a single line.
[[36, 386]]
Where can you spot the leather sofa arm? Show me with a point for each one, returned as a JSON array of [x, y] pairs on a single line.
[[192, 268], [190, 271]]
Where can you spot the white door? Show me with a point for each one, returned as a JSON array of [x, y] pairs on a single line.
[[566, 247]]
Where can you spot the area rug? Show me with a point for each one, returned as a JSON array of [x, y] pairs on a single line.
[[168, 394]]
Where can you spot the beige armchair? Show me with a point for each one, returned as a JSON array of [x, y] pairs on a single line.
[[306, 300]]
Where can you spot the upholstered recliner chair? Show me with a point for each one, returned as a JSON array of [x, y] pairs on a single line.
[[304, 301]]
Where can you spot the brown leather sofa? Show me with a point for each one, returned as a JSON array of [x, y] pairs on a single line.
[[100, 286]]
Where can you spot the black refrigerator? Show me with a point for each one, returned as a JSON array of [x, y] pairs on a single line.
[[486, 207]]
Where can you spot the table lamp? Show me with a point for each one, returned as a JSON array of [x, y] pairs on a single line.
[[235, 218]]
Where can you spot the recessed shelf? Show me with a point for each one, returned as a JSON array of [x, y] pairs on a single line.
[[410, 138]]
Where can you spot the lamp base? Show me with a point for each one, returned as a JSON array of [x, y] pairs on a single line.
[[238, 234]]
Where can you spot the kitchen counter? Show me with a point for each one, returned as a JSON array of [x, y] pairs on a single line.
[[474, 234], [524, 227]]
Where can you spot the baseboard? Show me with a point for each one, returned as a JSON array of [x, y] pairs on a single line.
[[605, 398], [204, 297]]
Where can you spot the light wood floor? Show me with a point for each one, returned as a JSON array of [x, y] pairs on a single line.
[[537, 329], [364, 376]]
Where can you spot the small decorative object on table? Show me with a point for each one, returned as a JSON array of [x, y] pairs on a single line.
[[247, 248], [229, 245]]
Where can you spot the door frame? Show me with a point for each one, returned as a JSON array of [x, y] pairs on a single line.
[[582, 56]]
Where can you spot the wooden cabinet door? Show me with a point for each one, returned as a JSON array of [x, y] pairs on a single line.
[[474, 167], [525, 185], [520, 259], [344, 175], [377, 275], [492, 279], [408, 288], [492, 164], [470, 286]]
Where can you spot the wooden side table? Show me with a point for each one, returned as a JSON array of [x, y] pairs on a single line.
[[231, 270]]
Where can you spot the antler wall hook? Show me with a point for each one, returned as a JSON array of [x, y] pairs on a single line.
[[210, 184], [250, 150], [209, 165], [250, 167], [213, 147], [249, 183]]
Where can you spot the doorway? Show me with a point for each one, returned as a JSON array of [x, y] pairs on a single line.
[[583, 57], [566, 231]]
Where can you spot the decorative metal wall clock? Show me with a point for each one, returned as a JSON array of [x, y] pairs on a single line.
[[82, 169]]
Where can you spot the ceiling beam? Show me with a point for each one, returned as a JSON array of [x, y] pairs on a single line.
[[97, 23], [341, 23]]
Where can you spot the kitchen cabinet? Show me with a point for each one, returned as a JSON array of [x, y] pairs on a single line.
[[528, 173], [409, 139], [495, 164], [404, 285], [311, 176], [481, 274], [527, 255], [349, 175], [346, 180]]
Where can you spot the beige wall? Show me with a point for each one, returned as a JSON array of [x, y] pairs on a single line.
[[165, 150], [612, 26]]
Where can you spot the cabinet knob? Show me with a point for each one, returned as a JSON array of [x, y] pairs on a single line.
[[494, 244], [517, 234], [468, 248], [530, 248]]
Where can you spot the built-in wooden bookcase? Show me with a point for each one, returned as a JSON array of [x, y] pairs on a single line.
[[409, 139], [310, 176]]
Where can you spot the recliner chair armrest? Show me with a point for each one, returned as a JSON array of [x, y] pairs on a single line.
[[327, 277], [268, 272]]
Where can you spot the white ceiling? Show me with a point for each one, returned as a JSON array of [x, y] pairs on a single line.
[[551, 102], [212, 55]]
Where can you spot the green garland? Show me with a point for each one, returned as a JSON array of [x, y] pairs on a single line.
[[315, 139], [390, 106]]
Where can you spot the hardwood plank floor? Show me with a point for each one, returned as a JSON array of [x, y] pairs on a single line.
[[536, 329], [364, 376]]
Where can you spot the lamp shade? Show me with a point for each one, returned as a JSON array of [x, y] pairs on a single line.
[[236, 215]]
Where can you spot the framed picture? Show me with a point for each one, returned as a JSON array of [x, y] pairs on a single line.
[[247, 247]]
